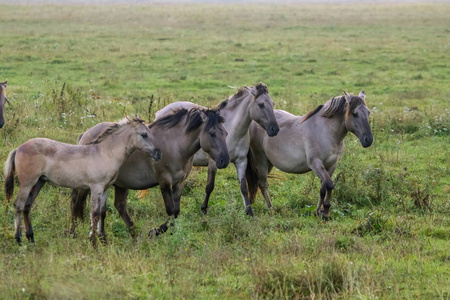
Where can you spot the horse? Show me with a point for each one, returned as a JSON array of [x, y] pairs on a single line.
[[93, 166], [3, 100], [313, 142], [246, 105], [179, 136]]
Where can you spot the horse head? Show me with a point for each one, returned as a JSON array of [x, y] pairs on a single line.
[[261, 109], [143, 138], [357, 118], [213, 137]]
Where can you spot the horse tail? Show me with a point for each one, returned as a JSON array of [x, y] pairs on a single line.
[[10, 168], [251, 174]]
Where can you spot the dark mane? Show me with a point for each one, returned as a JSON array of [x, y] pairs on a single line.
[[355, 101], [336, 105], [222, 104], [194, 119], [312, 113], [260, 88], [214, 118], [170, 120]]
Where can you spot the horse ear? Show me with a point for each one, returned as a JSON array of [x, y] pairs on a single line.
[[250, 90], [347, 96], [362, 95], [4, 84]]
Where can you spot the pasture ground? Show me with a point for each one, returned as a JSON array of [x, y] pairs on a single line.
[[69, 67]]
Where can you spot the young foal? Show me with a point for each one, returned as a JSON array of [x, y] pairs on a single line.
[[179, 136], [3, 100], [247, 105], [310, 143], [92, 166]]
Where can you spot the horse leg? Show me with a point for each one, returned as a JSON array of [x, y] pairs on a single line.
[[212, 171], [101, 223], [120, 203], [77, 207], [241, 166], [263, 171], [19, 205], [96, 195], [176, 194], [324, 204], [327, 197], [166, 190], [26, 211]]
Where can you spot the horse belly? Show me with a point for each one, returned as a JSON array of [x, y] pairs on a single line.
[[136, 180], [291, 165], [289, 158], [201, 159]]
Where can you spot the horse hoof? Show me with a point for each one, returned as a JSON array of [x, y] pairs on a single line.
[[133, 232], [19, 241], [204, 211], [249, 211], [93, 240], [102, 239]]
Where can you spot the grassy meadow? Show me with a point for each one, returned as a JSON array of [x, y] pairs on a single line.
[[70, 67]]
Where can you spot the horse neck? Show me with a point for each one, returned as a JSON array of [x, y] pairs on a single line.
[[237, 116], [177, 141], [116, 151], [190, 142], [335, 126], [2, 98]]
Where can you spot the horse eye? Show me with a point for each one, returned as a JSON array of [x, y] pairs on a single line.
[[261, 105], [355, 115], [144, 135]]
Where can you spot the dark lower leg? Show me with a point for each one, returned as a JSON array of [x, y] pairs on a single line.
[[120, 202], [212, 171], [244, 193], [77, 207]]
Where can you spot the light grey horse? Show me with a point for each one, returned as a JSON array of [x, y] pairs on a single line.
[[313, 142], [3, 100], [94, 166], [247, 105], [179, 136]]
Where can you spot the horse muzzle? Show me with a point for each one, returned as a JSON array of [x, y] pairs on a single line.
[[273, 130], [366, 141], [155, 154], [222, 161]]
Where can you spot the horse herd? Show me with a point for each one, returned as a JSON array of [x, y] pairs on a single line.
[[244, 129]]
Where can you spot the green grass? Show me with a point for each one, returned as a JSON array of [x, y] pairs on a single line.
[[70, 67]]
